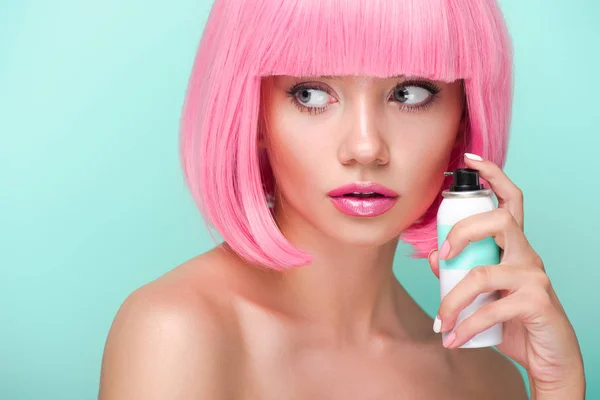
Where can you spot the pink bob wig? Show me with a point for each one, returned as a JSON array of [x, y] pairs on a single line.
[[245, 40]]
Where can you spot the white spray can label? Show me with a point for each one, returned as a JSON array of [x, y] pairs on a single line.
[[466, 197]]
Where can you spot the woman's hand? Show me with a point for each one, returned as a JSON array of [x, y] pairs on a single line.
[[537, 333]]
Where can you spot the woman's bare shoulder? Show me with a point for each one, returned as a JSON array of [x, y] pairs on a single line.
[[173, 337], [494, 376]]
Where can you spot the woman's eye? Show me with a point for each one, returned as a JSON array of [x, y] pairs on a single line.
[[312, 97], [411, 95]]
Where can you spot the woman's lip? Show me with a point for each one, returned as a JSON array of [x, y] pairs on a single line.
[[362, 187], [363, 207]]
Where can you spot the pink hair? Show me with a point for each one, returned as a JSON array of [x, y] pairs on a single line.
[[245, 40]]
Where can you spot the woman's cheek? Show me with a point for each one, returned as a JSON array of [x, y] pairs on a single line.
[[288, 167]]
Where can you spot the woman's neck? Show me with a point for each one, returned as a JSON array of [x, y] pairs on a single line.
[[349, 290]]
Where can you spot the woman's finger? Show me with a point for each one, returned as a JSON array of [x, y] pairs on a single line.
[[487, 316], [532, 305], [482, 279], [498, 223], [509, 195]]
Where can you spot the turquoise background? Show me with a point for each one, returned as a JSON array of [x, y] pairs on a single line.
[[481, 252], [93, 203]]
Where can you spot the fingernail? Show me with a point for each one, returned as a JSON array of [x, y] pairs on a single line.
[[444, 250], [474, 157], [430, 253], [449, 339], [437, 324]]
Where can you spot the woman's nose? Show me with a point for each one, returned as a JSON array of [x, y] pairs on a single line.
[[364, 143]]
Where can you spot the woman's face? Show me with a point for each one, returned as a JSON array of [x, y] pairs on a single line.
[[326, 132]]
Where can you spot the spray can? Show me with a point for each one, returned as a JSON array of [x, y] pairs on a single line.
[[466, 197]]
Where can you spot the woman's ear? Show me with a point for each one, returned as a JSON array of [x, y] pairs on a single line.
[[260, 143]]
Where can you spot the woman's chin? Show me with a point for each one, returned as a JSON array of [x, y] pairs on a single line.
[[367, 235]]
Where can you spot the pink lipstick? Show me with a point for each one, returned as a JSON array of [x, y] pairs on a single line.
[[363, 199]]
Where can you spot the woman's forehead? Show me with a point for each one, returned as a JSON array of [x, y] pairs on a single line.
[[340, 79]]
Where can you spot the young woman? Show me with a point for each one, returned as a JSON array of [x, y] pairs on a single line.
[[315, 134]]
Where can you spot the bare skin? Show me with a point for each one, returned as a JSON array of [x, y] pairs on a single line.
[[342, 327], [213, 328]]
